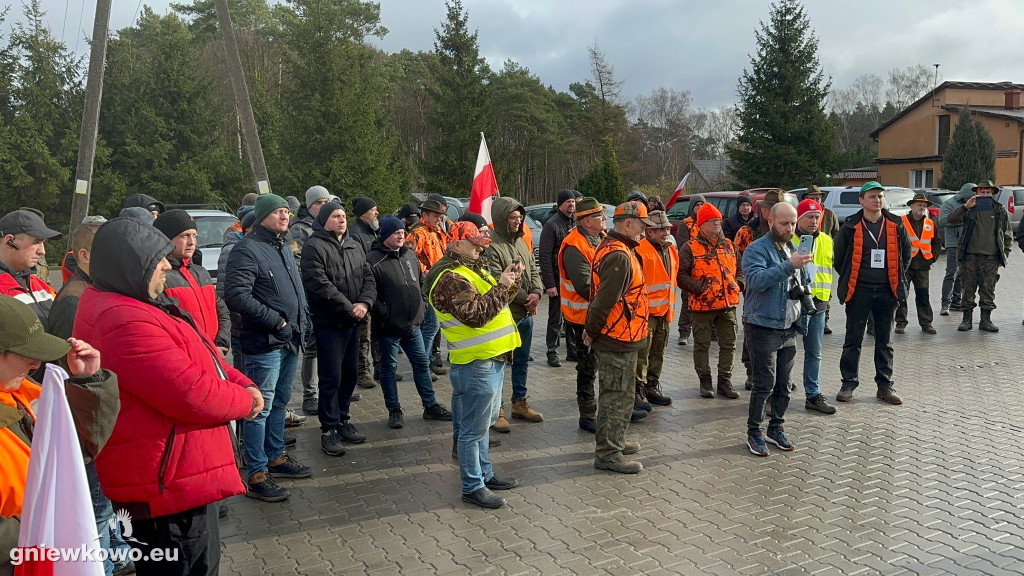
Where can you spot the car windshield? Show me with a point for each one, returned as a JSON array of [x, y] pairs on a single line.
[[210, 230], [938, 199], [678, 210], [898, 197]]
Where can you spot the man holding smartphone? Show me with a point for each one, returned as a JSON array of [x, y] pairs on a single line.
[[984, 246]]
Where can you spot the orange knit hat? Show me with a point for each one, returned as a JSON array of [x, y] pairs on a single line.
[[707, 211]]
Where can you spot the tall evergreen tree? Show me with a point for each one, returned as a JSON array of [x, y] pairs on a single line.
[[785, 138], [971, 154], [603, 180]]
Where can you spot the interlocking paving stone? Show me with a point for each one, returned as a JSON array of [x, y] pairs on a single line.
[[930, 487]]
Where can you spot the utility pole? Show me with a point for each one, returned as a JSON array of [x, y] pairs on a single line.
[[242, 103], [90, 118]]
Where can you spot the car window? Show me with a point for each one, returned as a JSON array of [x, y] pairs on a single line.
[[539, 214], [849, 197], [938, 199], [210, 230], [1018, 196], [897, 197], [678, 210], [727, 206]]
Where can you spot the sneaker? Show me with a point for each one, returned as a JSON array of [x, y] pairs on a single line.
[[331, 444], [349, 434], [290, 441], [288, 467], [755, 442], [262, 486], [396, 419], [779, 438], [845, 394], [291, 419], [437, 412], [496, 483], [944, 311], [620, 465], [310, 405], [484, 498], [889, 395], [553, 360], [820, 404], [636, 416], [683, 340]]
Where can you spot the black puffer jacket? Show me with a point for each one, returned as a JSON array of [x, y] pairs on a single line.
[[261, 284], [363, 233], [336, 276], [399, 308], [556, 228]]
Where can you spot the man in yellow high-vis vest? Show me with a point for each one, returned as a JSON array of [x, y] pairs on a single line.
[[809, 215], [472, 308]]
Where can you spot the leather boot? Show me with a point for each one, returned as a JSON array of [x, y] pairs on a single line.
[[588, 414], [654, 394], [522, 411], [705, 387], [502, 424], [640, 400], [968, 322], [986, 322], [725, 387]]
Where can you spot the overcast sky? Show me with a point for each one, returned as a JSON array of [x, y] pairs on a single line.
[[696, 45]]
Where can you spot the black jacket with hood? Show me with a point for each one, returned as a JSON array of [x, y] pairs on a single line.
[[399, 308], [336, 277], [143, 201], [556, 228]]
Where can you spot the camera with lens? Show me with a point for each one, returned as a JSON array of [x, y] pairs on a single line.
[[798, 291]]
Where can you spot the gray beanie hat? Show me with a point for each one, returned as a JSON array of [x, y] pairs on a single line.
[[316, 193]]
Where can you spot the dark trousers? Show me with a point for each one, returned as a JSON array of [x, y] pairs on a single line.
[[337, 350], [685, 318], [772, 354], [952, 284], [586, 372], [878, 303], [919, 278], [192, 534], [554, 328]]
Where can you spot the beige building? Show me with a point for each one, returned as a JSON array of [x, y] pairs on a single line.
[[911, 145]]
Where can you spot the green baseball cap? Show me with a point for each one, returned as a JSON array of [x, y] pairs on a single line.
[[21, 332], [871, 186]]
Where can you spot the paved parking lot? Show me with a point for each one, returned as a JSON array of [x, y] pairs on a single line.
[[930, 487]]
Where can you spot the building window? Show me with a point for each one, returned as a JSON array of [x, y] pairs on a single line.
[[943, 134], [921, 179]]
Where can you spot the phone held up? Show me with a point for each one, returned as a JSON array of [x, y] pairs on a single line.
[[806, 245]]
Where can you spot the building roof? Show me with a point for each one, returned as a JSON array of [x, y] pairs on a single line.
[[712, 170], [863, 172], [995, 111], [948, 84]]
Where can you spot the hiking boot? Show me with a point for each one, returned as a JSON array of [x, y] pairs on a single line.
[[725, 387], [756, 444], [748, 384], [620, 465], [484, 498], [288, 467], [437, 366], [310, 405], [968, 321], [639, 400], [502, 424], [654, 394], [553, 360], [588, 425], [889, 395], [437, 412], [290, 441], [497, 483], [366, 381], [986, 322], [261, 486], [945, 310], [630, 447], [396, 419], [845, 394], [929, 329], [901, 328], [637, 416], [706, 390], [820, 404], [349, 434], [778, 437], [522, 411], [291, 419], [330, 443]]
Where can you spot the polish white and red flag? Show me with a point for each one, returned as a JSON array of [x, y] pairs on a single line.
[[678, 192], [56, 514], [485, 185]]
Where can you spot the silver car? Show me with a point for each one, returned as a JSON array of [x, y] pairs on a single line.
[[845, 200], [210, 227]]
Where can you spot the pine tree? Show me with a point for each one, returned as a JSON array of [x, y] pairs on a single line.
[[603, 180], [971, 154], [785, 138]]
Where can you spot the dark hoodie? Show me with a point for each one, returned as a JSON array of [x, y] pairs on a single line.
[[399, 307], [506, 246], [144, 201], [122, 247]]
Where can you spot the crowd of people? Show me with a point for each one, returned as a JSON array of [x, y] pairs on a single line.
[[182, 382]]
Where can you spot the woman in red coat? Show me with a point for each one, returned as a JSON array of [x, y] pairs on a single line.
[[170, 458]]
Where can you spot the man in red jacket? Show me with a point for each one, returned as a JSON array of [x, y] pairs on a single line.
[[170, 458]]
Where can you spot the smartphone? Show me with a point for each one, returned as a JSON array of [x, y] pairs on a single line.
[[985, 203], [806, 245]]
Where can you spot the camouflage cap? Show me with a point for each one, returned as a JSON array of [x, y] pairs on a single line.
[[632, 209], [658, 220]]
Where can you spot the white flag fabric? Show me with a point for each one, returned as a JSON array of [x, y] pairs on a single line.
[[485, 185]]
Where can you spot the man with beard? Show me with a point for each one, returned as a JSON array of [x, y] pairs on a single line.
[[556, 228], [364, 231], [921, 230], [772, 266]]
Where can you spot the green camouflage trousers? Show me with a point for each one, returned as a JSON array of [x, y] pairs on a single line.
[[980, 274], [615, 378]]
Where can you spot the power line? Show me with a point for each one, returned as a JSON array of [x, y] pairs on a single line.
[[64, 26], [78, 38]]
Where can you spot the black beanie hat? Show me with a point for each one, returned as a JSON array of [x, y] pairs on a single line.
[[744, 200], [564, 196], [326, 210], [361, 205], [474, 218], [174, 222]]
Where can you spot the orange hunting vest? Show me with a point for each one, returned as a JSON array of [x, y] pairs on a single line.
[[717, 264], [892, 257], [14, 453], [660, 282], [924, 243], [627, 321], [574, 306]]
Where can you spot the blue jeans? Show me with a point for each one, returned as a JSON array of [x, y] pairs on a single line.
[[273, 372], [104, 511], [815, 327], [521, 358], [429, 328], [417, 354], [476, 398]]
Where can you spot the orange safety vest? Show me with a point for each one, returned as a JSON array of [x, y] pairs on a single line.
[[627, 320], [924, 243], [691, 225], [14, 452], [660, 282], [528, 237], [892, 257], [429, 245], [574, 306], [717, 264]]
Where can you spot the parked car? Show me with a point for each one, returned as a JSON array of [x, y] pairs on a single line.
[[937, 197], [726, 202], [541, 213], [1011, 197], [845, 200], [210, 227]]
